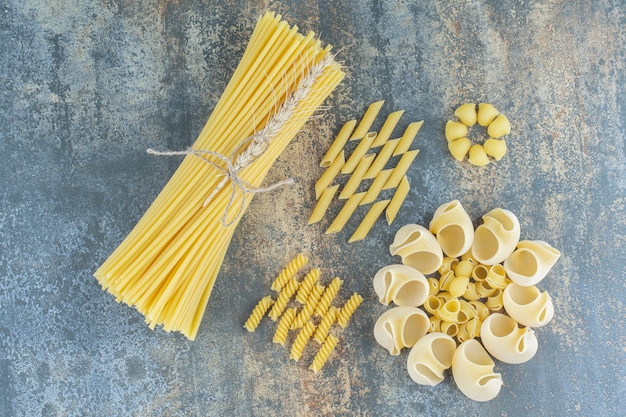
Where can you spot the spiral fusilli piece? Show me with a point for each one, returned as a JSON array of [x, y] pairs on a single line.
[[348, 309], [324, 327], [282, 330], [283, 298], [301, 340], [308, 309], [329, 295], [307, 285], [322, 355], [258, 312], [289, 272]]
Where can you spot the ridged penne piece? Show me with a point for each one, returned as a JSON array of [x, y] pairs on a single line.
[[355, 179], [324, 353], [381, 159], [321, 332], [398, 172], [397, 200], [385, 132], [307, 284], [283, 298], [258, 312], [328, 296], [301, 340], [358, 153], [337, 146], [407, 138], [344, 214], [322, 204], [348, 310], [329, 175], [367, 120], [368, 221], [282, 330], [290, 271], [307, 310]]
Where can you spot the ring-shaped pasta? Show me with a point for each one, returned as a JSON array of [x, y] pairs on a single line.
[[460, 144]]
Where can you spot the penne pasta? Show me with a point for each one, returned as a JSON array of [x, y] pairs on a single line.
[[353, 183], [387, 129], [407, 138], [400, 169], [358, 153], [368, 221], [322, 204], [345, 213], [381, 159], [375, 187], [338, 144], [329, 175], [367, 120], [397, 200]]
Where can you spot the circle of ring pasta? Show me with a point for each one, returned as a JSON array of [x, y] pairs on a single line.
[[486, 115]]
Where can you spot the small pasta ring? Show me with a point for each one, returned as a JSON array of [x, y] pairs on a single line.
[[486, 115]]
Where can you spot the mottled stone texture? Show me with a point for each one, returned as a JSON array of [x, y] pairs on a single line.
[[87, 86]]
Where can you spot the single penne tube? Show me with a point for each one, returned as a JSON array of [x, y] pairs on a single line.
[[357, 154], [376, 187], [387, 129], [407, 138], [367, 120], [344, 214], [397, 200], [337, 146], [329, 175], [398, 172], [368, 221], [381, 159], [355, 179], [322, 204]]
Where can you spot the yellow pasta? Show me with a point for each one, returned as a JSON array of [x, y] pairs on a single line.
[[385, 132], [407, 138], [283, 298], [367, 120], [478, 156], [167, 265], [376, 187], [307, 310], [301, 340], [338, 144], [433, 286], [289, 271], [307, 285], [495, 303], [348, 309], [381, 159], [282, 330], [435, 324], [358, 153], [328, 296], [321, 332], [329, 175], [345, 213], [355, 179], [482, 311], [322, 204], [495, 148], [459, 148], [397, 200], [258, 312], [324, 353], [398, 172], [368, 221]]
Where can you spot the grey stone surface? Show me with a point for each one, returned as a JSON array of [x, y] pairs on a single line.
[[86, 87]]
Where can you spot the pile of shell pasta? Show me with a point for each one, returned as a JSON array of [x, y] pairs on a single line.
[[482, 285], [310, 313]]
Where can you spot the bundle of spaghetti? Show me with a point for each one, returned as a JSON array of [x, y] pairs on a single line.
[[167, 265]]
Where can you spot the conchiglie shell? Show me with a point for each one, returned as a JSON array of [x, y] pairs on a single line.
[[472, 369], [486, 114], [400, 327], [531, 262], [499, 127], [478, 156], [466, 114], [455, 130], [459, 147], [496, 238], [418, 248], [430, 357], [495, 148], [402, 285], [453, 228], [527, 305], [507, 342]]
